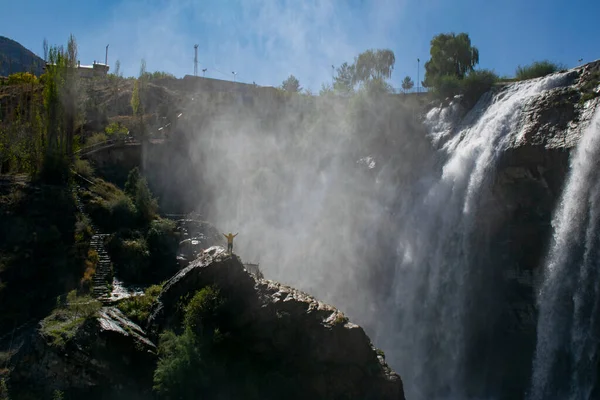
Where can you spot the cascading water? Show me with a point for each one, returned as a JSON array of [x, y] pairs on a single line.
[[437, 281], [565, 364]]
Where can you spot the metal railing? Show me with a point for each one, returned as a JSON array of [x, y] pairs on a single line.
[[414, 90], [105, 144]]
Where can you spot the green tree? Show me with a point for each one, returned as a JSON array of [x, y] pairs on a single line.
[[344, 80], [117, 72], [326, 90], [451, 55], [70, 93], [142, 85], [407, 84], [132, 180], [374, 64], [291, 84], [145, 203], [135, 98]]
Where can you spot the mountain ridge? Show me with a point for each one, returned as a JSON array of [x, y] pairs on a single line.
[[14, 57]]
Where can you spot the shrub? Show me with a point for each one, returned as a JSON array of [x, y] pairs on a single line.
[[122, 211], [472, 87], [180, 372], [91, 263], [202, 312], [20, 78], [83, 168], [96, 138], [83, 229], [117, 212], [163, 244], [188, 365], [62, 324], [134, 259], [116, 130], [137, 188], [137, 308], [537, 70], [476, 83], [132, 181], [447, 86], [145, 203]]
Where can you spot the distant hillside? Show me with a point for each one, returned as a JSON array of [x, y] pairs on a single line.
[[16, 58]]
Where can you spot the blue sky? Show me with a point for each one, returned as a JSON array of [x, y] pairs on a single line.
[[265, 41]]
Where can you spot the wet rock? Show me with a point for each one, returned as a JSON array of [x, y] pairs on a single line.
[[516, 224], [332, 357]]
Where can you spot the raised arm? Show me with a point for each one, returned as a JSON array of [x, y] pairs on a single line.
[[235, 235]]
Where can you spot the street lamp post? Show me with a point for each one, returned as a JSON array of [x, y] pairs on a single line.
[[234, 73]]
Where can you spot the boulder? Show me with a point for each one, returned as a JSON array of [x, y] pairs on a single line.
[[108, 357], [328, 356]]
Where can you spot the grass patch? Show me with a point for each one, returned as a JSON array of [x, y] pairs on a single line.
[[63, 323], [83, 168], [537, 70], [138, 308], [95, 139]]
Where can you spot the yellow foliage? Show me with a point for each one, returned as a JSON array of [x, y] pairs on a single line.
[[90, 269], [21, 78]]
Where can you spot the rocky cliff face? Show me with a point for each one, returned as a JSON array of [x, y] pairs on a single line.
[[527, 185], [300, 346], [324, 355]]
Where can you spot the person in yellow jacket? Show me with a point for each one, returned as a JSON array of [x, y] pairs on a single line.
[[229, 238]]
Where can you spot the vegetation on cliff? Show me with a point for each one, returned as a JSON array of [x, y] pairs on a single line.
[[537, 70]]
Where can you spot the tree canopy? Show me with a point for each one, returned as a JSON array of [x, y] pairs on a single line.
[[291, 84], [344, 81], [374, 64], [451, 55], [407, 84], [370, 68]]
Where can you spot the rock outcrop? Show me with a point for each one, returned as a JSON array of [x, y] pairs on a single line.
[[527, 184], [108, 357], [325, 355]]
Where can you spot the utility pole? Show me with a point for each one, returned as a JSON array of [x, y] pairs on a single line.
[[195, 60], [418, 76], [106, 57]]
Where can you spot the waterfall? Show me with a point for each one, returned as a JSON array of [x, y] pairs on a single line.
[[565, 364], [438, 284]]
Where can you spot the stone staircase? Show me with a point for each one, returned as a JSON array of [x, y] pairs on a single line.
[[104, 272], [103, 276]]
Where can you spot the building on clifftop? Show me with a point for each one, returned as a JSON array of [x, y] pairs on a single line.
[[90, 71]]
